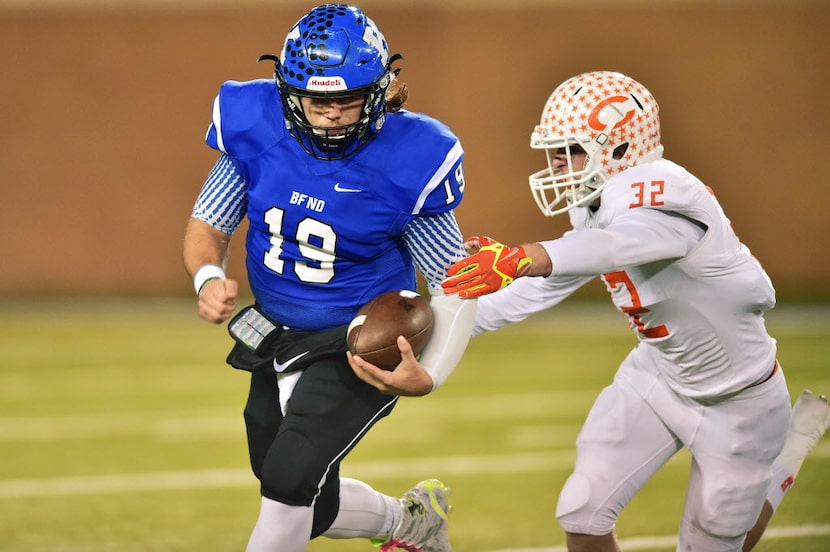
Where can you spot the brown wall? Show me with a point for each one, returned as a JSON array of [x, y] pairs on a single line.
[[103, 116]]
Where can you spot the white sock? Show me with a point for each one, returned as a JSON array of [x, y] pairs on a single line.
[[364, 512], [782, 480], [809, 421], [281, 528]]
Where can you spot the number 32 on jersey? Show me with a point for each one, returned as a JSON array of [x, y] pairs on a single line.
[[648, 195]]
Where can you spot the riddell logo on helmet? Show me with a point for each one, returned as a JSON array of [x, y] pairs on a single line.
[[326, 83]]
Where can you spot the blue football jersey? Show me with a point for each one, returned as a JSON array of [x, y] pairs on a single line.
[[325, 236]]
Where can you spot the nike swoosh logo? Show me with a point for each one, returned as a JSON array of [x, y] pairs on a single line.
[[282, 367], [339, 188]]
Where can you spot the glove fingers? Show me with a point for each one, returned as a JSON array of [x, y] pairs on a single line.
[[459, 281], [464, 265], [492, 267], [471, 276], [477, 242], [474, 291]]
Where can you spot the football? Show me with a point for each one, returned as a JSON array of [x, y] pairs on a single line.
[[373, 333]]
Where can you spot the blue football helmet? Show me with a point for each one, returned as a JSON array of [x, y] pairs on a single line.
[[334, 52]]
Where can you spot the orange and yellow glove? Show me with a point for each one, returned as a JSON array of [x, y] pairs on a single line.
[[491, 268]]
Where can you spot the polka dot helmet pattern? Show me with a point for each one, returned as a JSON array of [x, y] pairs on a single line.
[[334, 47], [610, 116], [335, 51]]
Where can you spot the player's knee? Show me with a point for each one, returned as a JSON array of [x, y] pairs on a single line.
[[291, 478], [722, 521], [693, 537], [727, 512], [580, 512]]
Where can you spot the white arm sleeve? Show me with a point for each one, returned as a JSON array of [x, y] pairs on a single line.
[[637, 237], [435, 243], [452, 330], [523, 297]]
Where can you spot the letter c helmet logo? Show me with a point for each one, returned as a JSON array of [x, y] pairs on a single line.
[[606, 111]]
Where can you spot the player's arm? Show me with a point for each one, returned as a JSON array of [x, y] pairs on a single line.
[[522, 298], [217, 213], [435, 243], [635, 238]]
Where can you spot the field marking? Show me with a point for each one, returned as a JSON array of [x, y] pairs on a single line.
[[668, 541], [184, 424], [459, 465], [233, 477], [443, 466], [222, 422]]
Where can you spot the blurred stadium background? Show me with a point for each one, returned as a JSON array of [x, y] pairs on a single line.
[[105, 106], [121, 426]]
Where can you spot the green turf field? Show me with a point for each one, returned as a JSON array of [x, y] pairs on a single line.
[[121, 430]]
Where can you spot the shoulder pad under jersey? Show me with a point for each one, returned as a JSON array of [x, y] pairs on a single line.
[[423, 159], [660, 185], [247, 118]]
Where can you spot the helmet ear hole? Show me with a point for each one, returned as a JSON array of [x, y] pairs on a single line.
[[619, 151]]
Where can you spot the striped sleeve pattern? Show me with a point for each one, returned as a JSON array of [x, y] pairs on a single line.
[[223, 199], [435, 243]]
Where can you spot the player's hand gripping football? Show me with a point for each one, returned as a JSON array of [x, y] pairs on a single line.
[[408, 379], [492, 267]]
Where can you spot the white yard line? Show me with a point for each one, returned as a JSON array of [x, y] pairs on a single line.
[[523, 462], [651, 543], [200, 479], [222, 422], [460, 465]]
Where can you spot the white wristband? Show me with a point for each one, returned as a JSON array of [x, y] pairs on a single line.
[[205, 273]]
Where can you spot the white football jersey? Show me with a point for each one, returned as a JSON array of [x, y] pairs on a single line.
[[693, 293]]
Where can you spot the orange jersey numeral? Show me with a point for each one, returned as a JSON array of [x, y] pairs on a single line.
[[655, 193], [620, 278]]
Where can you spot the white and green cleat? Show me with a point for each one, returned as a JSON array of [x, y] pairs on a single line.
[[424, 524]]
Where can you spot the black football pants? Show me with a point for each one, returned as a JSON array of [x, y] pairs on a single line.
[[330, 410]]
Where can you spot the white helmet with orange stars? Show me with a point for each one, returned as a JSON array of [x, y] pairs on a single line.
[[612, 118]]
